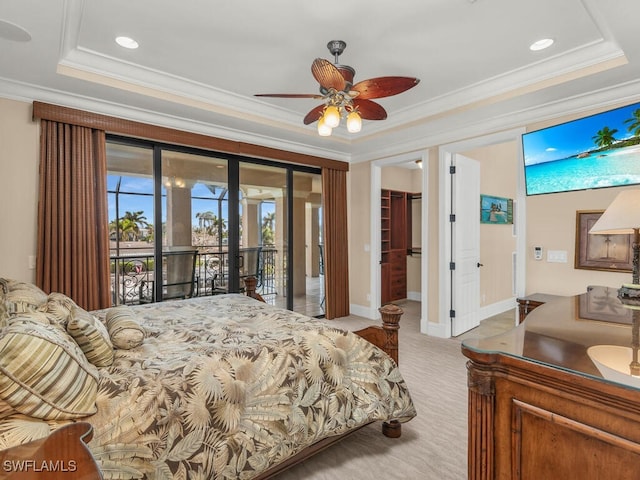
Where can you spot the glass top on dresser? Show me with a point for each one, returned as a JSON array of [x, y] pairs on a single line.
[[590, 334]]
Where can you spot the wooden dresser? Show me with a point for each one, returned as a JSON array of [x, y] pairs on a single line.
[[528, 303], [539, 408]]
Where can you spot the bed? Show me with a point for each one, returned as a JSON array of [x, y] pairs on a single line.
[[220, 387]]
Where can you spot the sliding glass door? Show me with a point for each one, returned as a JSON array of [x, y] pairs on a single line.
[[190, 223]]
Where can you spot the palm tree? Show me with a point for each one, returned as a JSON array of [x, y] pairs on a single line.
[[268, 222], [205, 219], [129, 230], [211, 224], [635, 123], [128, 226], [604, 137]]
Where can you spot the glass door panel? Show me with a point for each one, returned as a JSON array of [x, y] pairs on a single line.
[[131, 230], [308, 254], [195, 220], [263, 239]]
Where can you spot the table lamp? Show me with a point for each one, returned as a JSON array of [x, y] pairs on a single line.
[[623, 217]]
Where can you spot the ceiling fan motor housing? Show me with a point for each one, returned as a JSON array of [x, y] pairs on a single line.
[[336, 47]]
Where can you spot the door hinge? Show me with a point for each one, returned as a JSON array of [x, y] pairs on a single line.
[[452, 314], [452, 265], [452, 218], [452, 169]]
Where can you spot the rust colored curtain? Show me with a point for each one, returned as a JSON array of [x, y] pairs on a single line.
[[73, 237], [336, 261]]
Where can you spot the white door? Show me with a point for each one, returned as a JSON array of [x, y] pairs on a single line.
[[465, 239]]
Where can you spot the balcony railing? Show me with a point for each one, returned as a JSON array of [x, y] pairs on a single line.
[[131, 271]]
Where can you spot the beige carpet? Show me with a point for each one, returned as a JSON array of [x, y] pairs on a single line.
[[433, 445]]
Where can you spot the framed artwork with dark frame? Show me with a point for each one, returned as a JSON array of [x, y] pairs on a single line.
[[613, 253]]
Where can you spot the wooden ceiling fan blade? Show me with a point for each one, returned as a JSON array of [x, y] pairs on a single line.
[[314, 115], [327, 75], [384, 86], [369, 110], [289, 95]]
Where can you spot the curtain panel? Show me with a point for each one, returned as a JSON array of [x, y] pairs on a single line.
[[334, 194], [73, 236]]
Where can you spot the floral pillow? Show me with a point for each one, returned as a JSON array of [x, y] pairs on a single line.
[[59, 307]]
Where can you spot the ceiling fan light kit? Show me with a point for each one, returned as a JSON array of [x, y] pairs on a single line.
[[344, 99], [354, 122]]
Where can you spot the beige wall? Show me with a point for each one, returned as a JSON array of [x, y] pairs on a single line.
[[19, 141], [359, 233], [498, 177], [551, 224], [433, 203]]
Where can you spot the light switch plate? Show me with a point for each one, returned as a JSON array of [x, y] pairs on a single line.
[[557, 256]]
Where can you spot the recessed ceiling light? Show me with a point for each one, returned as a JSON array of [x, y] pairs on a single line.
[[541, 44], [127, 42]]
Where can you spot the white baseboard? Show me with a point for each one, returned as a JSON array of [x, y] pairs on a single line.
[[497, 308], [415, 296], [362, 311], [437, 330]]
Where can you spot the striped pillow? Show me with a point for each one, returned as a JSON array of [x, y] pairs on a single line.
[[92, 337], [124, 330], [43, 373], [21, 297]]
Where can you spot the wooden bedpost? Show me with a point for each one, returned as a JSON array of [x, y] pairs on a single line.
[[386, 338], [391, 324], [250, 288]]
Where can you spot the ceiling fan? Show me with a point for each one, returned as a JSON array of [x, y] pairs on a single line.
[[342, 98]]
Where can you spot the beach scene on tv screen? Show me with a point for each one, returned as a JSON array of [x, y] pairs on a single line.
[[598, 151]]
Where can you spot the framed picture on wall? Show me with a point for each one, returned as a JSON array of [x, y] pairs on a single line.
[[612, 253], [496, 210]]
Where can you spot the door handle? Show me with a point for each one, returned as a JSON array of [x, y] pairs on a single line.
[[480, 265]]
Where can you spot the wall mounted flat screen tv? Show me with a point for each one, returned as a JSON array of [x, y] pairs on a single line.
[[597, 151]]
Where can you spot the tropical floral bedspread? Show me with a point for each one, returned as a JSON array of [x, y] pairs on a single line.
[[225, 387]]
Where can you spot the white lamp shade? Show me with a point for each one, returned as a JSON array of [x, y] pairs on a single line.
[[324, 130], [332, 116], [622, 216], [612, 362], [354, 122]]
